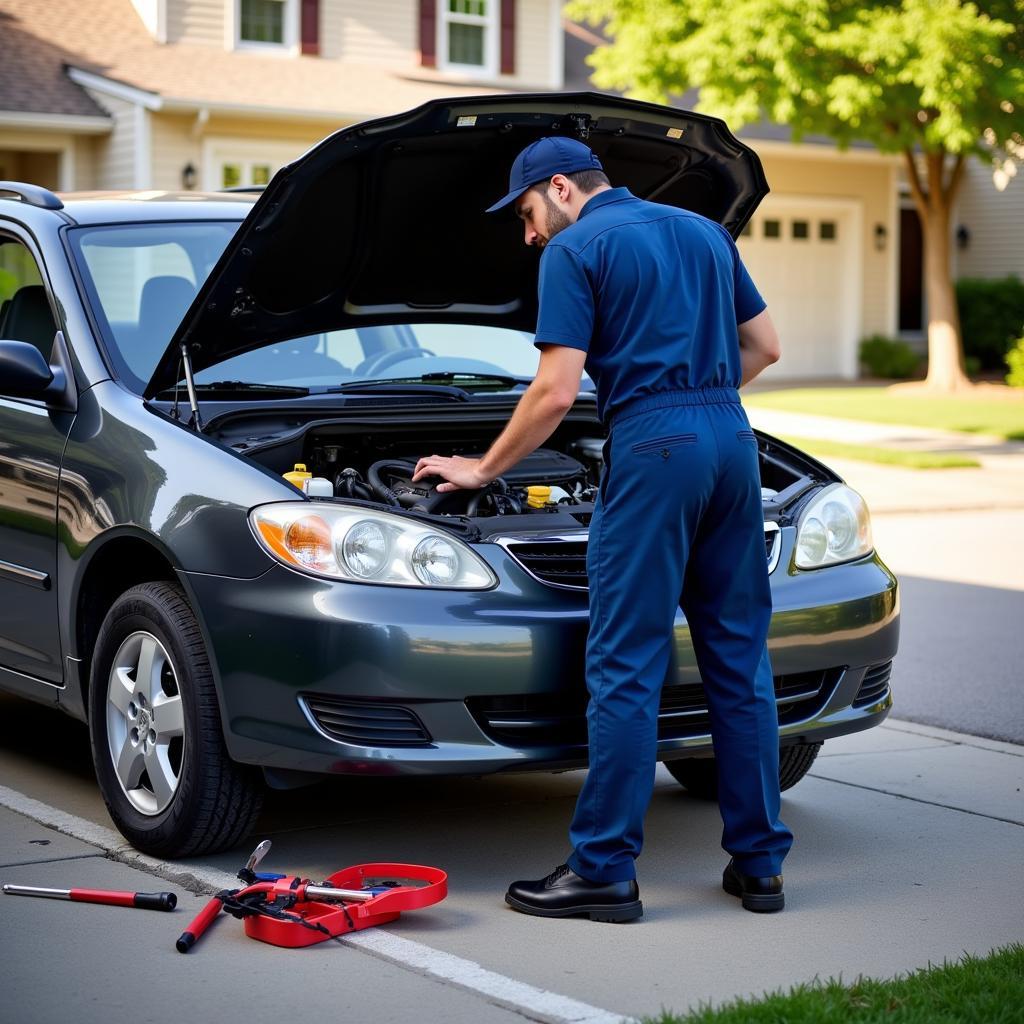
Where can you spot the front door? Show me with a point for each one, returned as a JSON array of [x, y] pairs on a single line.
[[31, 444]]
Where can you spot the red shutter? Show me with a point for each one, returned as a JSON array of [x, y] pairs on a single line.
[[310, 32], [508, 37], [428, 33]]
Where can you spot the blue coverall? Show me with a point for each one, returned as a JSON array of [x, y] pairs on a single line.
[[653, 294]]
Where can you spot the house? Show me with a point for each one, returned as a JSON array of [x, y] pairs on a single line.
[[171, 94]]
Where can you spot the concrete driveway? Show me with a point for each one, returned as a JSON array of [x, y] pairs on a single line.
[[909, 843]]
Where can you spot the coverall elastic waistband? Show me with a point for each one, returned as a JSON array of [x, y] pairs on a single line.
[[665, 399]]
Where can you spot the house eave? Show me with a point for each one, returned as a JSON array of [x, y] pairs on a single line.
[[819, 151], [76, 124]]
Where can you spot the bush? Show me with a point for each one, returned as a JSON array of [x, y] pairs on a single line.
[[885, 357], [1015, 363], [990, 314]]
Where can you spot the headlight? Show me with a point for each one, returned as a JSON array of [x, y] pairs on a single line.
[[367, 547], [835, 527]]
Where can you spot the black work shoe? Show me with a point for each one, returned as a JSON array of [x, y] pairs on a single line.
[[762, 894], [564, 894]]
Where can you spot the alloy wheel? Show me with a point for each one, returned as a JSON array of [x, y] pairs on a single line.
[[145, 723]]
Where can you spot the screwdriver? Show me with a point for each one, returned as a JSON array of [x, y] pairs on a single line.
[[142, 900]]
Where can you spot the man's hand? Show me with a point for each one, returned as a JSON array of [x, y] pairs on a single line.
[[459, 473]]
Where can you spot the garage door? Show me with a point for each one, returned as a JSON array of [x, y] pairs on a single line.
[[805, 260]]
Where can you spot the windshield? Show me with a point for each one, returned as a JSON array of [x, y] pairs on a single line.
[[141, 279]]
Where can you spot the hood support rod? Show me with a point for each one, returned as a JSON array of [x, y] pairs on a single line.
[[190, 385]]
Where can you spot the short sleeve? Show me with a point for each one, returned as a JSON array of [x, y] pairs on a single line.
[[566, 300], [747, 299]]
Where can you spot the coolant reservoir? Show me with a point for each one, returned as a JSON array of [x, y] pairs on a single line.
[[318, 487], [297, 475], [537, 496]]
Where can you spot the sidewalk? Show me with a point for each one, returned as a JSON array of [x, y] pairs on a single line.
[[909, 846], [998, 483]]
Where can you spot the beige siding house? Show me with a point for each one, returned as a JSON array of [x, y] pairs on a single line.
[[166, 94]]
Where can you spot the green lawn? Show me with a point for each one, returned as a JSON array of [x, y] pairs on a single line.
[[1003, 417], [888, 456], [983, 990]]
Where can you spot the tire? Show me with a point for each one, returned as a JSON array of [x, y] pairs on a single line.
[[700, 774], [157, 744]]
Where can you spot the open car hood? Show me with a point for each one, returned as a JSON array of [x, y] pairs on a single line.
[[383, 222]]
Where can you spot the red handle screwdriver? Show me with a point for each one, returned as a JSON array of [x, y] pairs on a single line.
[[142, 900]]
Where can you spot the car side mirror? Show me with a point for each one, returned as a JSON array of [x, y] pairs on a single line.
[[25, 373]]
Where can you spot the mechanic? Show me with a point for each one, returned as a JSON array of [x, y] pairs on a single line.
[[655, 303]]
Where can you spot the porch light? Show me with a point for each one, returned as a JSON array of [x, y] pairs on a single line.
[[963, 237], [880, 235], [188, 177]]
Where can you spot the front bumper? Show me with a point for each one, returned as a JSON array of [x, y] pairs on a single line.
[[451, 660]]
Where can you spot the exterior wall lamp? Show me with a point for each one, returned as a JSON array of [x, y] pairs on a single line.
[[880, 236], [188, 177], [963, 237]]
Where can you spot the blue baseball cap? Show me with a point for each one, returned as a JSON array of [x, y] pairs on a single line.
[[542, 159]]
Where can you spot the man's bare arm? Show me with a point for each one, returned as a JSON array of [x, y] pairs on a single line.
[[542, 407], [759, 346]]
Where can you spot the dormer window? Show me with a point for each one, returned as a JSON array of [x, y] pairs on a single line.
[[265, 25], [468, 36]]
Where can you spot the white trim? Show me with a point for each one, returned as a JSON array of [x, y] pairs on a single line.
[[491, 24], [79, 124], [556, 42], [142, 150], [119, 90], [333, 117], [153, 14], [817, 151], [66, 169], [290, 47]]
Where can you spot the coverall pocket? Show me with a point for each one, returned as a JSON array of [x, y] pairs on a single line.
[[658, 444]]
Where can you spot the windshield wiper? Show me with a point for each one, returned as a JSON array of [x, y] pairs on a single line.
[[403, 386], [241, 385], [475, 378]]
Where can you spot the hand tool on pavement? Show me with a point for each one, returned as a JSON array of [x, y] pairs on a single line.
[[142, 900], [286, 910]]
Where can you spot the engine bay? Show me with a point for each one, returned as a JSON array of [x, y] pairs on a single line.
[[540, 483]]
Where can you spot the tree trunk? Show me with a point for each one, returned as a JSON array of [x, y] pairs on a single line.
[[945, 349]]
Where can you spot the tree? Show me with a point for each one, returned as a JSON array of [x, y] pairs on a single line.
[[935, 80]]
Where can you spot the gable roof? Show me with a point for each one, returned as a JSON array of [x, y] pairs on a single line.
[[107, 38]]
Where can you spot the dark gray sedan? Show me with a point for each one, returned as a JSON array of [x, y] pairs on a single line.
[[211, 548]]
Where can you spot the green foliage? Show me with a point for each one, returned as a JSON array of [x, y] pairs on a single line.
[[885, 357], [991, 312], [941, 74], [989, 989], [1015, 364]]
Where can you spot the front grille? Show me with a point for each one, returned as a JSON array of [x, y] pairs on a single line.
[[364, 723], [563, 563], [528, 720], [875, 685]]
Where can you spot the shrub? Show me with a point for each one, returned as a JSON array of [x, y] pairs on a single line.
[[885, 357], [1015, 364], [990, 314]]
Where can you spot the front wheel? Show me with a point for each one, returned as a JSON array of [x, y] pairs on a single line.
[[700, 774], [154, 722]]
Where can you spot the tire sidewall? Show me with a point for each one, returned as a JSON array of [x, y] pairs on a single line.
[[144, 608]]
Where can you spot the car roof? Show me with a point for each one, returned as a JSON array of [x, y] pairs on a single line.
[[131, 206]]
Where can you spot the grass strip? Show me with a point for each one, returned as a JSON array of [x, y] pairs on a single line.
[[971, 990], [1002, 417], [888, 456]]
